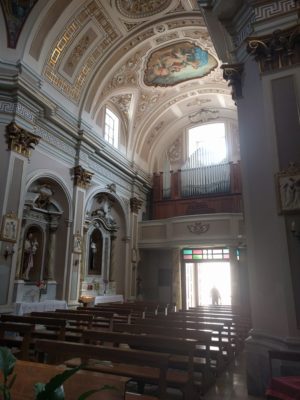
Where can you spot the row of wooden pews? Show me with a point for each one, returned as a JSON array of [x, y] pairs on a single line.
[[148, 342]]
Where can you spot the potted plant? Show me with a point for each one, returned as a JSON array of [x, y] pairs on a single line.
[[53, 390]]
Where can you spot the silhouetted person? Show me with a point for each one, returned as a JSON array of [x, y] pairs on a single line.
[[215, 296]]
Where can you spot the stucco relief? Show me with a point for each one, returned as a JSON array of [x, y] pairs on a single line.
[[123, 102], [58, 51], [155, 132], [198, 102], [78, 51], [175, 150], [204, 115], [141, 8], [126, 75]]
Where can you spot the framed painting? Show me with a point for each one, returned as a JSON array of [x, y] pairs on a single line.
[[9, 228], [288, 188], [178, 63], [77, 244]]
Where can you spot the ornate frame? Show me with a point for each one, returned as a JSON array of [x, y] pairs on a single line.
[[9, 228], [77, 244], [288, 190]]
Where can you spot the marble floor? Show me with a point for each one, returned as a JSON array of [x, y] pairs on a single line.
[[231, 384]]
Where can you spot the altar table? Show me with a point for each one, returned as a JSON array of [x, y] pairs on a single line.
[[45, 305], [114, 298]]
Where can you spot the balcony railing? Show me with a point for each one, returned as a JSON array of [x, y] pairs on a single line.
[[201, 190]]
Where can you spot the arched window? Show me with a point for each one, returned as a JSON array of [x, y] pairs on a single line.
[[111, 128], [209, 142], [207, 169]]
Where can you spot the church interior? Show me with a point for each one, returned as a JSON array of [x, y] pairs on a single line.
[[150, 176]]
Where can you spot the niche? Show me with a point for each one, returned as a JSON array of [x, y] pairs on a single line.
[[95, 253], [32, 254]]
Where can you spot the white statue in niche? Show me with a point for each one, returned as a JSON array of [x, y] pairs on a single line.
[[30, 249]]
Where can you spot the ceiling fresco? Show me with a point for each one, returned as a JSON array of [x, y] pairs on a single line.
[[152, 61], [15, 13], [178, 63]]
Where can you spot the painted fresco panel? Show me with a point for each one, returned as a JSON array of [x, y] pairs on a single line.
[[178, 63]]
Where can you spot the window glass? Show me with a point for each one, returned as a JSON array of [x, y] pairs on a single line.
[[208, 141], [111, 128]]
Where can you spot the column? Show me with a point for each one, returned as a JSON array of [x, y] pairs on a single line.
[[234, 272], [112, 269], [135, 205], [82, 180], [51, 248], [176, 279], [16, 145]]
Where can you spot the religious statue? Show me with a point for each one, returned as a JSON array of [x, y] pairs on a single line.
[[30, 249]]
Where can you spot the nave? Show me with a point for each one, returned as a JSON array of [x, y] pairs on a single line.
[[144, 347]]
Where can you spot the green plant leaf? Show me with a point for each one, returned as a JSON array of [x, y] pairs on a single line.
[[39, 387], [85, 395], [12, 381], [41, 394], [52, 390], [7, 361]]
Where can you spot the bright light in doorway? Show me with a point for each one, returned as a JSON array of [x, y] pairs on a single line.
[[212, 274]]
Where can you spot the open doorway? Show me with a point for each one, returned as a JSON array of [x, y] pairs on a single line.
[[201, 275]]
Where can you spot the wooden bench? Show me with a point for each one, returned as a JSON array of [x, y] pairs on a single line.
[[182, 353], [56, 326], [141, 366], [282, 386], [203, 361], [220, 344], [30, 373], [16, 335]]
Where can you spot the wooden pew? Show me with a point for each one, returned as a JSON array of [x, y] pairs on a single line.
[[228, 334], [29, 373], [204, 361], [141, 366], [215, 327], [16, 335], [182, 353], [56, 326]]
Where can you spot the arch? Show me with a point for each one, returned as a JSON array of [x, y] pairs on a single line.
[[61, 182]]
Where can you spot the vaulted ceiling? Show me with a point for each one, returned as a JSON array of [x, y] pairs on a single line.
[[88, 54]]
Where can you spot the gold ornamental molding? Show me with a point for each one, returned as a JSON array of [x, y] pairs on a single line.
[[135, 204], [19, 140], [279, 50], [232, 73], [82, 177]]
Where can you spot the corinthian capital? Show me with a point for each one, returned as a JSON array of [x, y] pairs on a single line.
[[20, 140]]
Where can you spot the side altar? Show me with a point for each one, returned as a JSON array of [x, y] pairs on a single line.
[[27, 291]]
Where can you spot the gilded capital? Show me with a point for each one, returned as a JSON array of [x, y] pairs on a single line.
[[276, 51], [20, 141], [232, 73], [82, 177], [135, 204]]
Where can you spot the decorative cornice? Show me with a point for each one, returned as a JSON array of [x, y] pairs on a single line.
[[276, 51], [82, 177], [198, 227], [135, 204], [232, 73], [20, 140]]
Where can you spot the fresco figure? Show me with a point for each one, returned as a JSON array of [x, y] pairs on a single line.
[[177, 63]]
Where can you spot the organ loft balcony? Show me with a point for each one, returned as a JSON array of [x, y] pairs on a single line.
[[202, 190]]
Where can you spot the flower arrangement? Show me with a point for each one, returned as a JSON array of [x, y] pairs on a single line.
[[41, 285]]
